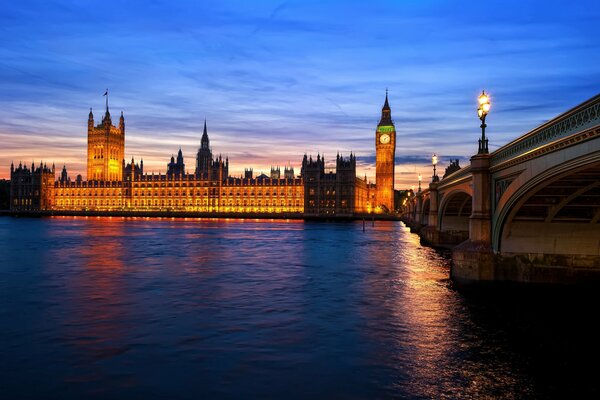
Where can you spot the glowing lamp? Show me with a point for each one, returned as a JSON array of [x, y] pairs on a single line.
[[482, 112], [434, 161]]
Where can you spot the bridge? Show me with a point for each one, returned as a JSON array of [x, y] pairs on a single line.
[[527, 212]]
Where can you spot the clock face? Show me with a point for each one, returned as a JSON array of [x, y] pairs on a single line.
[[384, 139]]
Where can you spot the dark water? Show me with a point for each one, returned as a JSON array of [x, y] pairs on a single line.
[[115, 308]]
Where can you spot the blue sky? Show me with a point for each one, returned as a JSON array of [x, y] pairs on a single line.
[[278, 79]]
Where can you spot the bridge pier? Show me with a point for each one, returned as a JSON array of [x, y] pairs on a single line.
[[417, 225], [473, 260], [431, 234]]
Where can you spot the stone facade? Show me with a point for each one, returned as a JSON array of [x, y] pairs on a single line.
[[114, 185], [385, 146]]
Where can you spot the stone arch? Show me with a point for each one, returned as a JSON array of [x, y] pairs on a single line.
[[454, 214], [410, 209], [556, 213], [424, 217]]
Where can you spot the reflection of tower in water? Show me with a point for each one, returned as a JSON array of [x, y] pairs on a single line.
[[99, 322]]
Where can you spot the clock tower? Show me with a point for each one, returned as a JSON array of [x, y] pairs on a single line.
[[385, 146]]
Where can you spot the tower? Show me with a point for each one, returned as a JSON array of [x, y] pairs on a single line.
[[204, 157], [385, 147], [106, 148]]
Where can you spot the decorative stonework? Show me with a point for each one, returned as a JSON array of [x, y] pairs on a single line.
[[500, 187], [587, 116], [555, 146]]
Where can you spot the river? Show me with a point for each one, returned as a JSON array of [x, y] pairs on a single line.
[[126, 308]]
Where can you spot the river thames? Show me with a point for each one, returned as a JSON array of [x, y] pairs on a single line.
[[185, 309]]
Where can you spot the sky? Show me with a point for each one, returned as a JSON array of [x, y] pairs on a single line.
[[278, 79]]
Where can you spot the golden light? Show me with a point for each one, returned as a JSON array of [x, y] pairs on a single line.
[[434, 159], [483, 98], [419, 177], [484, 105]]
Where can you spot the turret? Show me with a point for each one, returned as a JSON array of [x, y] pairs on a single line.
[[122, 123], [63, 175], [107, 121], [90, 120]]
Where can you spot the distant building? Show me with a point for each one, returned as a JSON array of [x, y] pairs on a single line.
[[339, 193], [114, 185], [4, 194], [31, 189]]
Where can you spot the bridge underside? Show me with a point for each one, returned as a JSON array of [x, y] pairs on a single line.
[[561, 220], [454, 221]]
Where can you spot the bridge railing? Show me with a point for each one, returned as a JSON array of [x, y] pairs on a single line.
[[455, 177], [579, 118]]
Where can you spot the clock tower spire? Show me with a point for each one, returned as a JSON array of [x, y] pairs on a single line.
[[385, 150]]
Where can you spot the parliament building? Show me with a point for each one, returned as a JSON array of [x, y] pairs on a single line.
[[114, 185]]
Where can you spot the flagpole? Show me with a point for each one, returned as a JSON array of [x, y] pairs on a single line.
[[106, 94]]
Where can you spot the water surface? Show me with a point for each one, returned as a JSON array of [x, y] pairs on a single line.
[[185, 309]]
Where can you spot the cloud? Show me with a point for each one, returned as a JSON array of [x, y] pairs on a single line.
[[278, 79]]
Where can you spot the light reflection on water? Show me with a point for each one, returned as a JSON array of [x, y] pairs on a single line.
[[125, 308]]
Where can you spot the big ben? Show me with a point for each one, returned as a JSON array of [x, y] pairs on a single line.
[[385, 146]]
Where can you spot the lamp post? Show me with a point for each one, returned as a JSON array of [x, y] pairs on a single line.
[[434, 161], [482, 112], [419, 183]]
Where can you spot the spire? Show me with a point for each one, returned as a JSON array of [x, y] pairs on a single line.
[[122, 123], [386, 105], [204, 144], [106, 120], [386, 112]]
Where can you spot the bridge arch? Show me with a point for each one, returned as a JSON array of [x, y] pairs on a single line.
[[424, 217], [454, 214], [556, 212]]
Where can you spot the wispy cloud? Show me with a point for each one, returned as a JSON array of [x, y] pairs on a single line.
[[278, 79]]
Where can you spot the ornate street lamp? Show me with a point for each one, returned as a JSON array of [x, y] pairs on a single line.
[[482, 112], [434, 161], [419, 183]]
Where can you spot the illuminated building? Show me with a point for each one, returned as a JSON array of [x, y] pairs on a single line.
[[385, 146], [114, 185], [106, 149]]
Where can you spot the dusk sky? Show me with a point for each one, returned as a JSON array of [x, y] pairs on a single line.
[[276, 80]]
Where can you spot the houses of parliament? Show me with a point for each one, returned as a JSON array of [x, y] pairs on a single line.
[[116, 185]]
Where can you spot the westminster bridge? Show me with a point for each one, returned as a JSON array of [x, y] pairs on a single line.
[[526, 212]]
